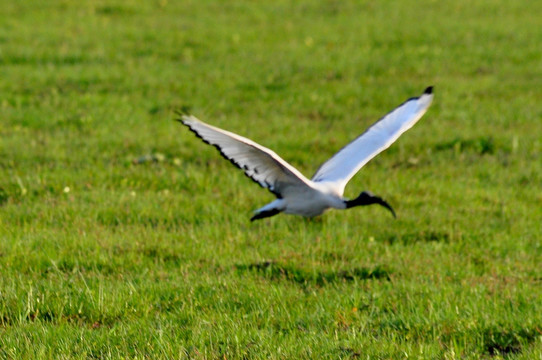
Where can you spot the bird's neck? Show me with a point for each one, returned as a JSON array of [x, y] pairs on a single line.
[[363, 199], [366, 198]]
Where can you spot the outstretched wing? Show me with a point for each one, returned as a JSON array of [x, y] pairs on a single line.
[[259, 163], [346, 163]]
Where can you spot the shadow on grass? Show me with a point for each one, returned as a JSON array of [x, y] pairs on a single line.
[[43, 314], [497, 341], [423, 236], [481, 145], [275, 271], [507, 341], [4, 197]]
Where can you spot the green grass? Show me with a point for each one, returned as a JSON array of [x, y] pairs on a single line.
[[124, 236]]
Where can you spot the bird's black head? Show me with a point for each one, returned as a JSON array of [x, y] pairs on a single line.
[[367, 198]]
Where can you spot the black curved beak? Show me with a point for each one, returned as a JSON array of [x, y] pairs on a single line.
[[367, 198], [386, 205]]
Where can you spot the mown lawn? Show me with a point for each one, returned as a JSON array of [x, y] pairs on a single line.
[[124, 236]]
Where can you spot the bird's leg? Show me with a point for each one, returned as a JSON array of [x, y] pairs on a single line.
[[265, 213]]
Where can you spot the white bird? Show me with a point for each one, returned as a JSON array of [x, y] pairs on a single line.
[[295, 193]]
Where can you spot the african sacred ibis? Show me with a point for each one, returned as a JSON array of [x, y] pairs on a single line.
[[295, 193]]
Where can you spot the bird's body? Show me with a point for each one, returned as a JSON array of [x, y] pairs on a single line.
[[308, 201], [295, 193]]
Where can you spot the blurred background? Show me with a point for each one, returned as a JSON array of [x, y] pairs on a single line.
[[123, 234]]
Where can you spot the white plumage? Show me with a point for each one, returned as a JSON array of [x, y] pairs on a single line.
[[295, 193]]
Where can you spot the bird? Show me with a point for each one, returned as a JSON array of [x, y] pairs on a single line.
[[297, 195]]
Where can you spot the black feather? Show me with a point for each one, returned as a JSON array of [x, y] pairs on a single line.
[[245, 168]]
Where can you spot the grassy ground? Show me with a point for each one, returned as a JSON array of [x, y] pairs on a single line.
[[122, 235]]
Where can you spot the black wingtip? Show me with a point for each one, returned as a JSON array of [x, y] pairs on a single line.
[[182, 112], [181, 117], [429, 90]]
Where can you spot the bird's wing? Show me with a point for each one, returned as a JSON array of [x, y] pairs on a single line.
[[259, 163], [346, 163]]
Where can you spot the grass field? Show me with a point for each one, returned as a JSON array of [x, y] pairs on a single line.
[[124, 236]]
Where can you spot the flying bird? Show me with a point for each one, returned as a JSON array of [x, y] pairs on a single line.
[[295, 193]]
